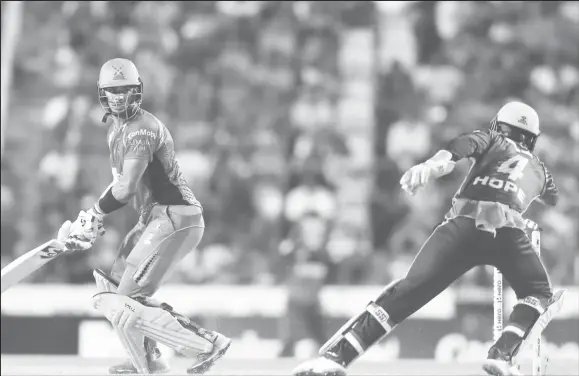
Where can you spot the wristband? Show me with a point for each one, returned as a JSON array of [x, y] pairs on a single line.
[[108, 203]]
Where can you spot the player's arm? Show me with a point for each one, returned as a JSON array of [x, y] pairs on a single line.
[[550, 194], [470, 145], [442, 163], [121, 192], [140, 145], [141, 141], [418, 176]]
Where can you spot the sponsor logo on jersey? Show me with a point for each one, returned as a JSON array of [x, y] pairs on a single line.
[[139, 145], [142, 132]]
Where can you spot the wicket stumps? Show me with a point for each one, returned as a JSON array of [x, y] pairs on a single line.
[[498, 315]]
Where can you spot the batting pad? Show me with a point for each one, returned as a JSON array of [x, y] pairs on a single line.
[[134, 343], [155, 323], [103, 283], [132, 340]]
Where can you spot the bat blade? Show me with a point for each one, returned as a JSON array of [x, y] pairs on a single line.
[[29, 262]]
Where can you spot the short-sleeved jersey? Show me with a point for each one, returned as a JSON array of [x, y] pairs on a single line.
[[502, 171], [146, 137]]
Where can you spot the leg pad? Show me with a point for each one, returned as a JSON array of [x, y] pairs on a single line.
[[375, 311]]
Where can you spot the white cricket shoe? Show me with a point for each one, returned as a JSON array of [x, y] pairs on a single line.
[[157, 364], [499, 367], [205, 361], [319, 367]]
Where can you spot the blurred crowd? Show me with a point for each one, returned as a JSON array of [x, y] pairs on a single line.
[[250, 91]]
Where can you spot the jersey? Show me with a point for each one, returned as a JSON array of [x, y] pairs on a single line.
[[146, 137], [502, 171]]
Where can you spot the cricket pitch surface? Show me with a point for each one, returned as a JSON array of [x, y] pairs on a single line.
[[72, 365]]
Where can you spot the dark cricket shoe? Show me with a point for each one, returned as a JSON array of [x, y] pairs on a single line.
[[499, 363], [327, 365], [207, 360], [157, 365]]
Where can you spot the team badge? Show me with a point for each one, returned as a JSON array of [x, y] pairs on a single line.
[[118, 75]]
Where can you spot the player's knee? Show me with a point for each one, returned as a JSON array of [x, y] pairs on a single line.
[[542, 291], [138, 280], [147, 301]]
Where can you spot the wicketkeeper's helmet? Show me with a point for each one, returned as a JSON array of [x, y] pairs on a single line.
[[521, 120]]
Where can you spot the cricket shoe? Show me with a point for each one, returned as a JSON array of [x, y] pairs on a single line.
[[500, 364], [157, 364], [322, 366], [207, 360]]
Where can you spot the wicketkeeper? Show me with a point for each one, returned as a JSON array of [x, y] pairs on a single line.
[[485, 226]]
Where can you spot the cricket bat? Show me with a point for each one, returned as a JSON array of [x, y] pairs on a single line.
[[29, 262]]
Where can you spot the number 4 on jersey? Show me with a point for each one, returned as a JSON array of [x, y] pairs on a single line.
[[514, 167]]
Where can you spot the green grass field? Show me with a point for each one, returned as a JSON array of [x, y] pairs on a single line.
[[70, 365]]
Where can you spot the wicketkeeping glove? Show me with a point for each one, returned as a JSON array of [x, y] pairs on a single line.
[[416, 177]]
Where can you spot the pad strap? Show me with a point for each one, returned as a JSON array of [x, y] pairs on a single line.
[[532, 302], [380, 315]]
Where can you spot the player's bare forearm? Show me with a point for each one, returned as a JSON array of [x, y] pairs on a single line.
[[123, 189], [118, 191], [107, 188], [550, 194], [126, 187]]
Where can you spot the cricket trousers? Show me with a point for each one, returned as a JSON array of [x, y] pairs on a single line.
[[454, 248], [151, 250]]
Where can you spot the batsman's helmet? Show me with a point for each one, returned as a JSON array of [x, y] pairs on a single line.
[[120, 89]]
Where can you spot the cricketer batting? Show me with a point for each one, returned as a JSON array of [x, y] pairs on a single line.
[[485, 226], [146, 174]]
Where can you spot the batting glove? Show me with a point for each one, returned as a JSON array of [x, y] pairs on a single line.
[[85, 231]]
